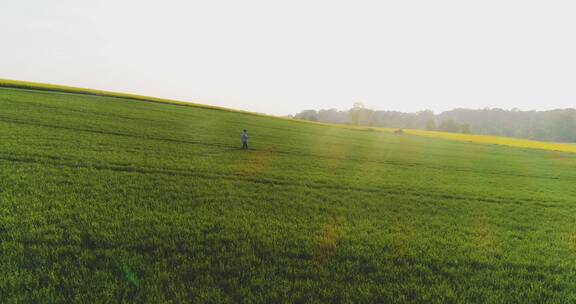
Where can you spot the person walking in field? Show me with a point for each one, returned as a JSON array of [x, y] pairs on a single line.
[[245, 140]]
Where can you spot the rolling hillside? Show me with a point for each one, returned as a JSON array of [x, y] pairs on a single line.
[[116, 199]]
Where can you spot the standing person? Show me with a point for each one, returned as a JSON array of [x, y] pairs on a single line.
[[244, 140]]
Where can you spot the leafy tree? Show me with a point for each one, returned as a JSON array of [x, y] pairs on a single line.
[[431, 125], [449, 126], [355, 113], [307, 115], [465, 128]]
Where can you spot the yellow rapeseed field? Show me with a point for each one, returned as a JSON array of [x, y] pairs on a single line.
[[497, 140]]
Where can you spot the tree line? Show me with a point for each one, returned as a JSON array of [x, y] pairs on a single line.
[[554, 125]]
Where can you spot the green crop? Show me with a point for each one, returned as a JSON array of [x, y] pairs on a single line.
[[108, 200]]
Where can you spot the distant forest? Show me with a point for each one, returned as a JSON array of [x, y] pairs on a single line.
[[554, 125]]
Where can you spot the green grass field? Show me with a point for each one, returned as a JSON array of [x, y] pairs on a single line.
[[107, 200]]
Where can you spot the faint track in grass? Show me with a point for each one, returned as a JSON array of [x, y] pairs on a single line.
[[315, 184], [84, 111], [285, 152], [114, 133]]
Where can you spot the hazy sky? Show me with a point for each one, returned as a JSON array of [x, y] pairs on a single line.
[[281, 57]]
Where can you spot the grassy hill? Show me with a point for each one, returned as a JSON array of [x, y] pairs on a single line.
[[106, 199]]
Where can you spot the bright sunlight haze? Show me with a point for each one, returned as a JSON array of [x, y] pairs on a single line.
[[282, 57]]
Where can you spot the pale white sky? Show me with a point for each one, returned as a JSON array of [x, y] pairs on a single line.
[[281, 57]]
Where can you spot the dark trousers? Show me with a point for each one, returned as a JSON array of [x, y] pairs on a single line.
[[245, 145]]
